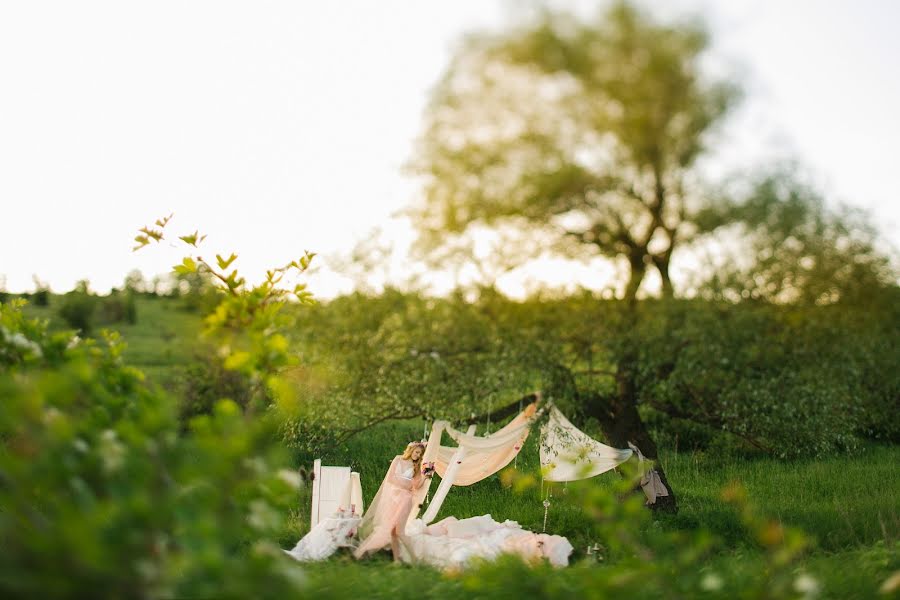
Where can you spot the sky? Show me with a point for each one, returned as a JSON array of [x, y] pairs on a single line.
[[279, 127]]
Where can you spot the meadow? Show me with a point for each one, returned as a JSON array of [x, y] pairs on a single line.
[[847, 505]]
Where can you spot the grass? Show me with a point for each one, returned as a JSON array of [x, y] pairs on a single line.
[[849, 506], [845, 502], [163, 337]]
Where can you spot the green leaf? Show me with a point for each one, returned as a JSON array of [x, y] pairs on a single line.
[[153, 233], [225, 263], [187, 266], [142, 240], [191, 239], [237, 360]]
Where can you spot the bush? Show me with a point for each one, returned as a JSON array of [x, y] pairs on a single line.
[[104, 497], [204, 382], [786, 380], [77, 310], [41, 297], [118, 307]]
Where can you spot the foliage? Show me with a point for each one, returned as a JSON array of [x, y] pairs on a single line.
[[204, 381], [103, 496], [197, 291], [135, 283], [576, 137], [788, 246], [104, 492], [41, 294], [118, 307], [84, 311], [248, 324], [398, 356], [77, 309], [785, 380]]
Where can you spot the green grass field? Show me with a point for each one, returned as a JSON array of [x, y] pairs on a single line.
[[849, 505], [163, 337]]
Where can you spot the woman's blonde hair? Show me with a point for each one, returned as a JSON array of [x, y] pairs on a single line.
[[407, 454]]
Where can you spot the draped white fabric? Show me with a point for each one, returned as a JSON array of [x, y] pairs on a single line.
[[454, 544], [568, 454], [476, 457], [324, 539]]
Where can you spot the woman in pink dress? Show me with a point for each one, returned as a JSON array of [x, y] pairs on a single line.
[[386, 518]]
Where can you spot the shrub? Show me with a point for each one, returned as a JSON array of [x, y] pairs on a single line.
[[118, 307], [204, 382], [77, 310], [41, 297], [104, 498]]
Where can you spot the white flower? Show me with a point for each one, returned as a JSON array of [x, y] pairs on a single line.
[[112, 452], [292, 478], [21, 342], [807, 585], [51, 414], [262, 516], [711, 582]]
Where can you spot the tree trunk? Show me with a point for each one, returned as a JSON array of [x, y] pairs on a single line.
[[621, 423], [662, 260], [635, 277], [662, 265], [619, 417]]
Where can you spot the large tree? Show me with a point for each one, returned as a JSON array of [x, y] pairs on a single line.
[[582, 137]]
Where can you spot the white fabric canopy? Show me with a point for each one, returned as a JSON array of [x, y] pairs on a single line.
[[568, 454], [476, 457]]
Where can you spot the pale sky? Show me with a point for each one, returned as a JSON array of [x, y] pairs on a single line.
[[277, 127]]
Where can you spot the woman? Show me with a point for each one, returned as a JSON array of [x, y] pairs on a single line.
[[386, 518]]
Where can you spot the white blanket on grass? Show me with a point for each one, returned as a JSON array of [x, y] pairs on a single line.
[[453, 544]]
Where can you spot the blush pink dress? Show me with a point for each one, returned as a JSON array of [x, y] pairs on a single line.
[[390, 510]]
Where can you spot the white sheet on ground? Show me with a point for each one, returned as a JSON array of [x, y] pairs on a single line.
[[454, 543], [326, 537]]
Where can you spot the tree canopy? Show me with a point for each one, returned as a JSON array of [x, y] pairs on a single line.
[[581, 137]]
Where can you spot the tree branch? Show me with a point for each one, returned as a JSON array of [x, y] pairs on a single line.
[[505, 411], [393, 416]]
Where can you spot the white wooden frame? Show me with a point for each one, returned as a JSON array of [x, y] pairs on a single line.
[[334, 488]]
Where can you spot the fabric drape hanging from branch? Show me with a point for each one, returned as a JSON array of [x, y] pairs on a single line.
[[476, 457], [569, 454]]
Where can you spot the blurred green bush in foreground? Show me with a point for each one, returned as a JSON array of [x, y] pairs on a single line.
[[100, 494]]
